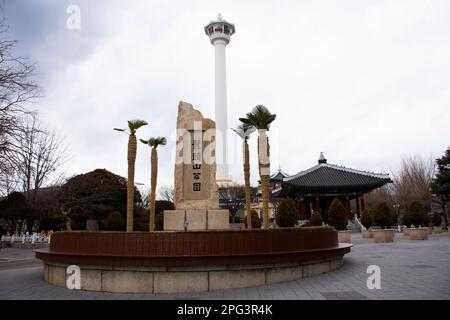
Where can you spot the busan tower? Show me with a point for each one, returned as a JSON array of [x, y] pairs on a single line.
[[219, 33]]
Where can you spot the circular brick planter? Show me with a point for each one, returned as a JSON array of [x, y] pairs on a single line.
[[171, 262], [437, 230], [383, 235], [418, 233], [367, 234], [344, 236]]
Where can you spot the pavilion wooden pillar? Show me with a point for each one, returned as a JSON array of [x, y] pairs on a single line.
[[317, 205], [363, 204], [358, 213], [302, 209], [347, 205]]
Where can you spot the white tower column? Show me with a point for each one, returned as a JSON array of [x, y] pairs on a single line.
[[219, 33], [221, 111]]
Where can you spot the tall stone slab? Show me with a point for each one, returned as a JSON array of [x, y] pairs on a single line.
[[195, 167], [196, 197]]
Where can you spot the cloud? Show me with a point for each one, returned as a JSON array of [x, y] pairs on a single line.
[[365, 82]]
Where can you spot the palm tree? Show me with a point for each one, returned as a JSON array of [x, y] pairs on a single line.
[[154, 143], [261, 118], [133, 125], [244, 131]]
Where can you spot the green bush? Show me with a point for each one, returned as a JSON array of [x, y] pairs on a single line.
[[337, 215], [367, 219], [256, 222], [407, 221], [286, 215], [383, 216], [426, 222], [316, 219], [436, 219], [417, 214], [114, 222]]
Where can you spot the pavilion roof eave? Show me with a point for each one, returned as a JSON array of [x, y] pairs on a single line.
[[336, 167], [288, 189]]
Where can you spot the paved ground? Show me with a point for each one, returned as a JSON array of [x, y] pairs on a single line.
[[409, 270]]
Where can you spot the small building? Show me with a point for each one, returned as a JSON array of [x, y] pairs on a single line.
[[314, 189]]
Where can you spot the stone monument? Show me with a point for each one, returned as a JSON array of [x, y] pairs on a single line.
[[196, 197]]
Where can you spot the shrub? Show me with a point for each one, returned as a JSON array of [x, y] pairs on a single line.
[[426, 222], [337, 215], [256, 222], [367, 219], [407, 221], [316, 219], [114, 222], [417, 214], [286, 215], [382, 215], [436, 219]]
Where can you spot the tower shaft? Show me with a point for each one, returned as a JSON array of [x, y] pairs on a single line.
[[219, 33], [221, 112]]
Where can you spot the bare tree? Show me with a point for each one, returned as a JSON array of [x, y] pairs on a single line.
[[166, 193], [36, 154], [145, 203], [412, 182], [383, 194], [17, 89], [8, 180], [232, 198]]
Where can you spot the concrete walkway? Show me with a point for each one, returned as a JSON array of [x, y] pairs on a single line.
[[409, 270]]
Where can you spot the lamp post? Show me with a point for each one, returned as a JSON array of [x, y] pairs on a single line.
[[397, 210]]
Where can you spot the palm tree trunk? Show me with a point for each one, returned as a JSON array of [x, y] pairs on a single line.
[[132, 147], [265, 199], [154, 176], [264, 172], [247, 185]]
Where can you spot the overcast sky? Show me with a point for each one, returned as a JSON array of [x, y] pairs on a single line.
[[366, 82]]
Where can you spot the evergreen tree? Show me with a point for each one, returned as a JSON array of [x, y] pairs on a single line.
[[338, 215], [286, 215], [440, 186]]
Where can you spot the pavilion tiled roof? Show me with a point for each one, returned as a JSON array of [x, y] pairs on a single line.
[[329, 176], [278, 176], [325, 176]]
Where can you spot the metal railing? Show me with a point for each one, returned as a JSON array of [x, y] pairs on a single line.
[[33, 238]]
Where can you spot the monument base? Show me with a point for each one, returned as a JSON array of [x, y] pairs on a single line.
[[195, 220]]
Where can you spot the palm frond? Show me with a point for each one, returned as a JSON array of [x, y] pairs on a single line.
[[143, 141], [133, 125], [244, 130], [118, 129], [159, 141], [246, 121], [260, 117]]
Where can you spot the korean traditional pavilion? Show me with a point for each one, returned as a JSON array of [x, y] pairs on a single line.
[[314, 189]]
